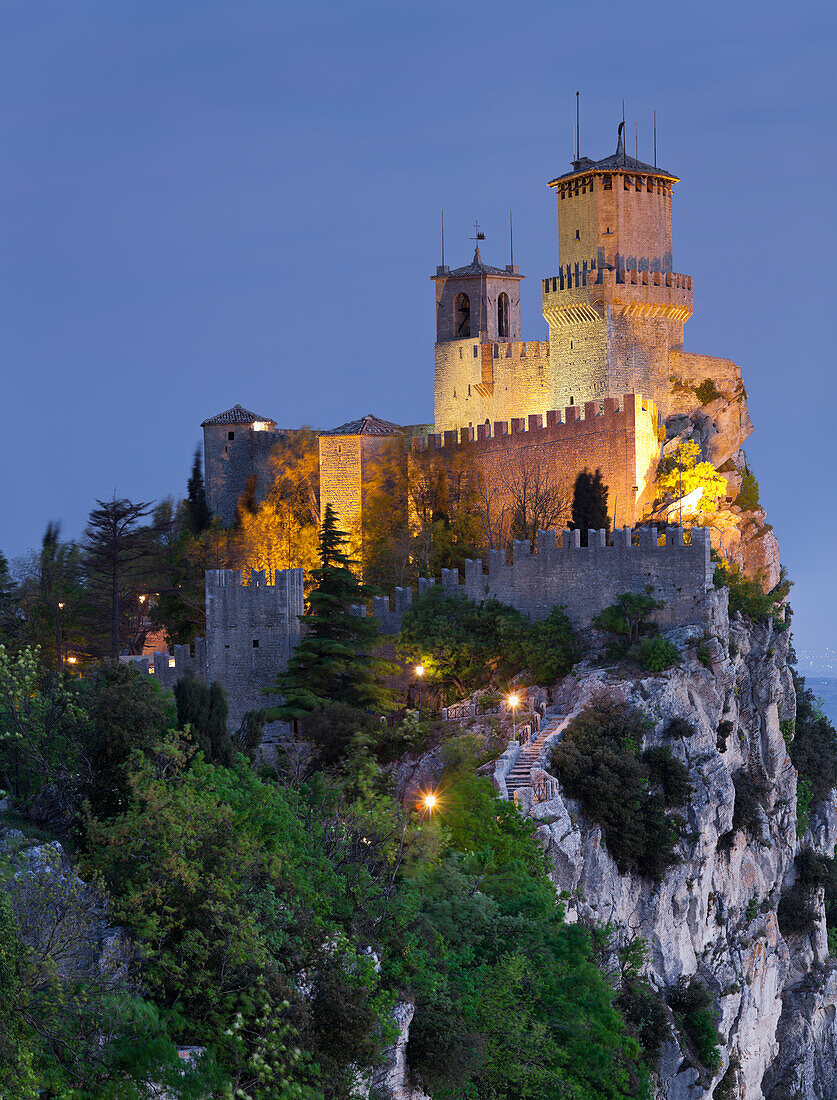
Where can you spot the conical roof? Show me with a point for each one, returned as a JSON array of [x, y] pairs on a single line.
[[367, 425], [237, 415], [618, 162]]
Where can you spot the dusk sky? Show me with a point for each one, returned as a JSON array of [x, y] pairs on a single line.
[[207, 203]]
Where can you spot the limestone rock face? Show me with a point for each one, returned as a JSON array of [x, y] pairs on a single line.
[[714, 913]]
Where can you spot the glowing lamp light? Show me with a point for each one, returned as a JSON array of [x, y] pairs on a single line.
[[171, 662], [72, 660], [419, 670], [429, 802], [514, 701], [60, 606], [260, 426], [142, 599]]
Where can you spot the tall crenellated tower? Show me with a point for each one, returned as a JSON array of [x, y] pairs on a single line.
[[615, 309]]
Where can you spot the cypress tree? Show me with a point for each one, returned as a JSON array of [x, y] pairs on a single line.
[[333, 662], [204, 710], [196, 506], [590, 504]]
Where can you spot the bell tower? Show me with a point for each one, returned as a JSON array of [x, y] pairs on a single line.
[[477, 302]]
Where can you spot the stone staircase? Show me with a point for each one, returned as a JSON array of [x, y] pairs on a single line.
[[519, 775]]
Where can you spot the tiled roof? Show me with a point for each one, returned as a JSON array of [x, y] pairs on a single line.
[[618, 162], [477, 267], [237, 415], [367, 425]]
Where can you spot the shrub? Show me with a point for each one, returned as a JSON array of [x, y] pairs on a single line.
[[747, 594], [332, 729], [722, 735], [707, 391], [694, 1007], [814, 869], [679, 727], [749, 798], [813, 750], [654, 654], [627, 619], [625, 791], [797, 912], [645, 1012], [748, 496], [803, 806]]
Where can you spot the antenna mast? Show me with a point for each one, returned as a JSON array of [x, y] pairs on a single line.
[[578, 126], [511, 241], [655, 137], [443, 238]]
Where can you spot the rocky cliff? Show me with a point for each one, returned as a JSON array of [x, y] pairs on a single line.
[[714, 915]]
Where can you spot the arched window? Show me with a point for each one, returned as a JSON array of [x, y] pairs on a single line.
[[503, 315], [462, 315]]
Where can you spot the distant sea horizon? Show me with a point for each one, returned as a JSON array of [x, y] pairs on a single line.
[[825, 688]]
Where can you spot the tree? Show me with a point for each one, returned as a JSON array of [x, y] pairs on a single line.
[[628, 617], [52, 598], [199, 516], [203, 710], [682, 472], [589, 511], [538, 496], [333, 662], [114, 550]]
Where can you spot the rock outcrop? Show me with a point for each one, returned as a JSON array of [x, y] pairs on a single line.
[[714, 915]]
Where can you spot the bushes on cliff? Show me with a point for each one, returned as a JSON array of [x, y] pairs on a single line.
[[634, 635], [748, 495], [629, 793], [695, 1010], [465, 645], [813, 749], [747, 594]]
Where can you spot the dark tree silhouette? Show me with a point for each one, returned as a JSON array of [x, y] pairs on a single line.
[[197, 508], [590, 504]]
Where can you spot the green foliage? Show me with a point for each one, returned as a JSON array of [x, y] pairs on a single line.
[[628, 618], [197, 510], [748, 496], [797, 911], [517, 1007], [654, 654], [590, 504], [333, 662], [725, 728], [695, 1010], [707, 391], [748, 596], [750, 794], [17, 1041], [682, 472], [465, 645], [644, 1010], [332, 730], [203, 710], [126, 713], [804, 797], [813, 749], [627, 792]]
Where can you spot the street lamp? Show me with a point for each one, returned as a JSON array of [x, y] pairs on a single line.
[[58, 633], [514, 702], [419, 670], [428, 803]]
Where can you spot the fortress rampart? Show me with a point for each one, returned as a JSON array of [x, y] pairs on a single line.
[[253, 629], [582, 579]]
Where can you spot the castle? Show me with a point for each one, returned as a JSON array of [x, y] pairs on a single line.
[[593, 394], [609, 389]]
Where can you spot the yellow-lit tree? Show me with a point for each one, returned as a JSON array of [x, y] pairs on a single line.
[[683, 471]]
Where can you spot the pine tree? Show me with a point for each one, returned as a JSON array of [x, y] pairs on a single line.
[[333, 662], [199, 516], [590, 504]]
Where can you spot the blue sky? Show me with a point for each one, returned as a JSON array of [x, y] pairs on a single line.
[[203, 203]]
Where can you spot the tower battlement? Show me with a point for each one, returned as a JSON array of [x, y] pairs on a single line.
[[574, 421]]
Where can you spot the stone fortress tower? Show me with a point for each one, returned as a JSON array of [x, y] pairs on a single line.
[[615, 309]]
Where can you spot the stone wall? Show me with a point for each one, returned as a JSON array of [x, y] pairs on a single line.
[[618, 435], [582, 579]]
